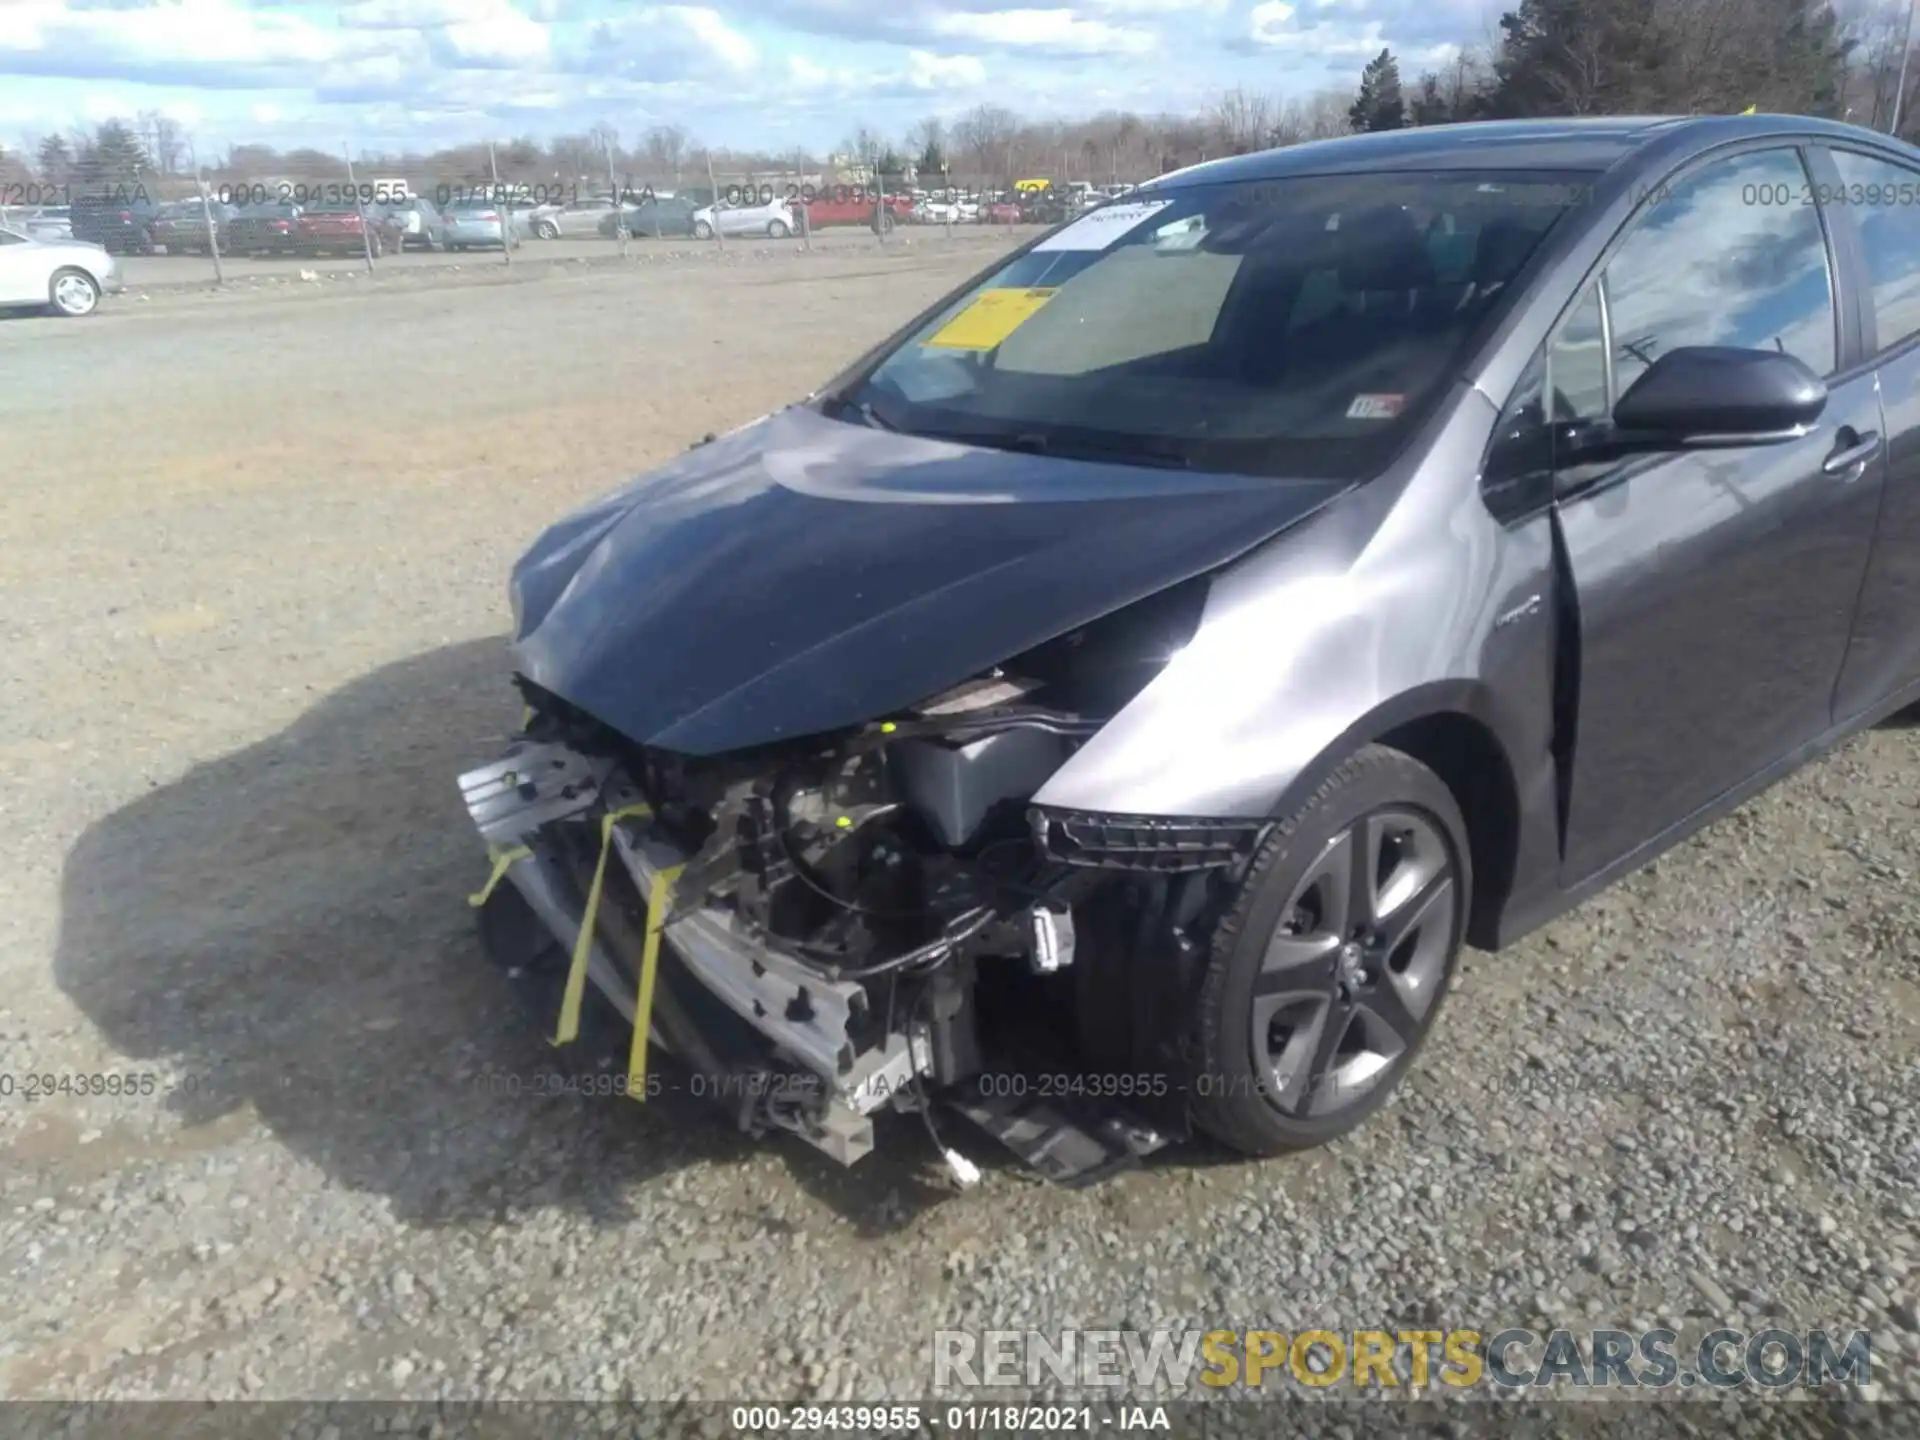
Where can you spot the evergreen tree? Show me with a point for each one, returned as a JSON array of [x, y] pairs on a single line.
[[113, 156], [1380, 105], [56, 160]]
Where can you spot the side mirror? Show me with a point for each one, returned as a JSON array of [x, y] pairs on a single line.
[[1704, 397]]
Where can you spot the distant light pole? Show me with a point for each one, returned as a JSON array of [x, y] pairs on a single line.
[[1900, 86]]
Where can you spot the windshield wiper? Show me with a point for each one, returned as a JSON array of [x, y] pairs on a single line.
[[864, 409], [1126, 449]]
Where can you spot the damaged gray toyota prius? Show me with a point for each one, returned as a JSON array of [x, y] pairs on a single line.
[[1107, 708]]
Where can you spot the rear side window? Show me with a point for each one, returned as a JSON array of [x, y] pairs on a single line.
[[1882, 198], [1733, 255]]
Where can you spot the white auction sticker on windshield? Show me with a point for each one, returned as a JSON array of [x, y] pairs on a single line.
[[1098, 229], [1376, 407]]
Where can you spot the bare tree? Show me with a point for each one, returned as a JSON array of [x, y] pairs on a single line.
[[985, 136], [1241, 120], [166, 146], [666, 148]]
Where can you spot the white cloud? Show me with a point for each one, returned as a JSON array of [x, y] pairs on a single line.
[[97, 107], [941, 72], [810, 73], [1052, 29], [709, 29], [1265, 20], [1155, 7]]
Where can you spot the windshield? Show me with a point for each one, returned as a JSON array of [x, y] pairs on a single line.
[[1297, 327]]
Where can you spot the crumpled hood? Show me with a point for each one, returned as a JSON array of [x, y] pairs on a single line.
[[805, 574]]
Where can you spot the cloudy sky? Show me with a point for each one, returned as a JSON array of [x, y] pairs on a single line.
[[380, 74]]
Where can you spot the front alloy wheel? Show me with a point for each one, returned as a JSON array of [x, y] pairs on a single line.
[[1328, 971], [73, 292]]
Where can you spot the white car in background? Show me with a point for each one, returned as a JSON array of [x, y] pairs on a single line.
[[941, 211], [775, 220], [65, 276]]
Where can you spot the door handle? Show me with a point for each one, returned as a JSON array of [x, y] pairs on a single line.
[[1856, 454]]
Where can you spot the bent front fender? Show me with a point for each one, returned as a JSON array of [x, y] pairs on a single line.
[[1396, 601]]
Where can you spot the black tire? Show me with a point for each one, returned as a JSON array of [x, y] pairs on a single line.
[[702, 230], [547, 230], [777, 230], [1261, 1104]]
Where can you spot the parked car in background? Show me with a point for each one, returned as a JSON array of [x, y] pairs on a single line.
[[1043, 207], [584, 215], [416, 222], [943, 208], [181, 227], [472, 223], [656, 216], [117, 222], [345, 227], [775, 220], [265, 228], [1001, 212], [48, 222], [853, 205], [67, 277]]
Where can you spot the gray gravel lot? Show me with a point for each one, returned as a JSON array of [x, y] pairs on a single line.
[[252, 554]]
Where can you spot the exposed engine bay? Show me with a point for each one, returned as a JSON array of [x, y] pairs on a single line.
[[877, 919]]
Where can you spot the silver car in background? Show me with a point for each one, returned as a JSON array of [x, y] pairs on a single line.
[[775, 220], [45, 222], [418, 222], [466, 224], [583, 216]]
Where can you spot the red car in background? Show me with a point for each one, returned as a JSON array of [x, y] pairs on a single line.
[[1000, 212], [852, 205], [341, 228]]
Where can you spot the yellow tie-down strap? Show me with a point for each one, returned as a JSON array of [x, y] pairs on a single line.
[[569, 1028], [659, 902], [503, 860]]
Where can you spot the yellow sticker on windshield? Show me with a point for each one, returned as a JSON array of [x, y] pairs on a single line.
[[990, 319]]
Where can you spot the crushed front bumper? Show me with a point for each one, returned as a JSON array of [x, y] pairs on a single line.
[[806, 1020]]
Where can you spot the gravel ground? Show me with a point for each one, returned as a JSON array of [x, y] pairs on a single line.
[[252, 554]]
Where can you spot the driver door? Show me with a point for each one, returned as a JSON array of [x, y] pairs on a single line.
[[1715, 590]]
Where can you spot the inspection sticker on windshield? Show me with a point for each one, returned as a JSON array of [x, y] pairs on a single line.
[[1098, 229], [1376, 407], [991, 318]]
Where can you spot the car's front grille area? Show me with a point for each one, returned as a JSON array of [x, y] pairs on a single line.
[[1144, 842]]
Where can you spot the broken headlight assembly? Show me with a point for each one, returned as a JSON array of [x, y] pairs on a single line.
[[827, 929]]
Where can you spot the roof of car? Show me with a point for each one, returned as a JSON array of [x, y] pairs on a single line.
[[1586, 143]]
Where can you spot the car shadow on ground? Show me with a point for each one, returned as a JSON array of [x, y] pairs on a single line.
[[288, 924]]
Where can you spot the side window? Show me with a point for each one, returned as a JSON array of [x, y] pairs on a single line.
[[1577, 363], [1881, 197], [1732, 255]]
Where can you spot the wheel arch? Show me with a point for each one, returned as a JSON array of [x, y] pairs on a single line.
[[1451, 727]]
